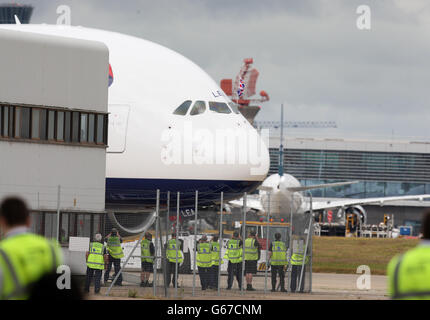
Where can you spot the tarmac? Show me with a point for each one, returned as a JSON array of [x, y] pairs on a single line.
[[325, 286]]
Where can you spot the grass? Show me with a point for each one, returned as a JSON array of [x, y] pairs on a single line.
[[344, 255]]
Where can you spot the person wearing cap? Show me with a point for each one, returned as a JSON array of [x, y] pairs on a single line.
[[204, 261], [147, 256], [114, 249], [95, 263]]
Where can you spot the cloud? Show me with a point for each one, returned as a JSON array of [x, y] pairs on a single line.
[[309, 53]]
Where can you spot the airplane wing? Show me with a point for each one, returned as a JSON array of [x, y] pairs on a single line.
[[321, 186], [321, 205], [252, 202]]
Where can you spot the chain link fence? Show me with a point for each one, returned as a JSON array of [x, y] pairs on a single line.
[[232, 249]]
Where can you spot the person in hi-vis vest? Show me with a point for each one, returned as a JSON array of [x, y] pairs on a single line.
[[174, 256], [96, 258], [252, 255], [204, 261], [234, 256], [278, 261], [26, 259], [213, 273], [115, 252], [409, 273], [147, 259], [297, 264]]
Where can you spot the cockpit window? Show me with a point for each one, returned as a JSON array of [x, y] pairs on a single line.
[[219, 107], [234, 107], [183, 108], [198, 108]]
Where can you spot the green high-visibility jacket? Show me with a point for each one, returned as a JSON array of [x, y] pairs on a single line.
[[297, 259], [172, 244], [251, 252], [215, 253], [95, 257], [204, 255], [114, 247], [234, 251], [145, 251], [409, 275], [24, 259], [279, 254]]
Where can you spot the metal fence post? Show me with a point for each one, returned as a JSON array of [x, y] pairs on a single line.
[[220, 239], [267, 247], [177, 241], [290, 245], [243, 243], [195, 244], [157, 219], [306, 246], [166, 291]]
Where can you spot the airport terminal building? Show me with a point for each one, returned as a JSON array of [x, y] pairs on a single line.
[[383, 168]]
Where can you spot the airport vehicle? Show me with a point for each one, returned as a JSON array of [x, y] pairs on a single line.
[[166, 115]]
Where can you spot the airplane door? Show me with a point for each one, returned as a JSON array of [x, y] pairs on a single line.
[[118, 123]]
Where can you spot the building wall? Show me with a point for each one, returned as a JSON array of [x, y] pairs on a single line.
[[34, 171], [53, 71], [383, 168], [40, 72]]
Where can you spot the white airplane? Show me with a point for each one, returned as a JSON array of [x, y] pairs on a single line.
[[156, 98], [280, 194]]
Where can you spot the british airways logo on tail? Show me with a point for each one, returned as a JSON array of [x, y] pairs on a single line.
[[110, 75]]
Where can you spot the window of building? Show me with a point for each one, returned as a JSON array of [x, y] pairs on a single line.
[[91, 127], [25, 123], [84, 127], [60, 126], [5, 127], [198, 108], [11, 125], [67, 126], [183, 108], [55, 125], [100, 128], [17, 121], [35, 124], [51, 124], [43, 122], [219, 107], [75, 126]]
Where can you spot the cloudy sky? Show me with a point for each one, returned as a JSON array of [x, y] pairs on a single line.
[[310, 53]]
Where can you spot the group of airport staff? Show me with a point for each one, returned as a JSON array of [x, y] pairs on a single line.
[[208, 260], [29, 262]]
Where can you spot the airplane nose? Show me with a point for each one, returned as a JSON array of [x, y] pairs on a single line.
[[259, 155]]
